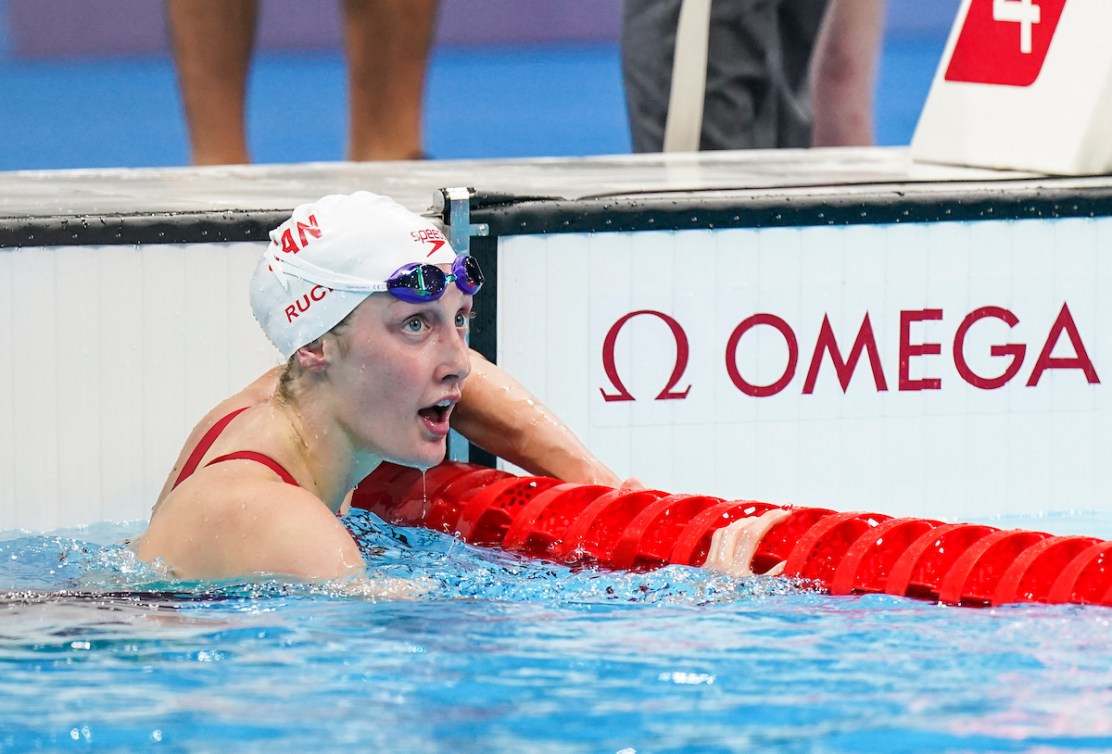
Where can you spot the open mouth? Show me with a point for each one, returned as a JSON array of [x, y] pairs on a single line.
[[437, 414]]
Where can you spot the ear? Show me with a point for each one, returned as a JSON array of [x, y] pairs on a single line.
[[312, 357]]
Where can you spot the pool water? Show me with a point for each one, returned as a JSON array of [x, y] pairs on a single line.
[[99, 652]]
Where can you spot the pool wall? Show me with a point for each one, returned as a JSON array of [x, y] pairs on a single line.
[[839, 328], [933, 368]]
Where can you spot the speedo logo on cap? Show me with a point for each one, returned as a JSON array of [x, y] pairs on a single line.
[[430, 236]]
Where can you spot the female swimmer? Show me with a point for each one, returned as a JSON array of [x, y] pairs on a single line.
[[370, 307]]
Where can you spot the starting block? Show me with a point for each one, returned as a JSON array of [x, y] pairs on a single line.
[[1023, 85]]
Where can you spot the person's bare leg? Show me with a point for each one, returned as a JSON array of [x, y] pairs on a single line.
[[843, 73], [388, 44], [212, 42]]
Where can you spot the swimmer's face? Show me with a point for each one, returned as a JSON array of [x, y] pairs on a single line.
[[402, 374]]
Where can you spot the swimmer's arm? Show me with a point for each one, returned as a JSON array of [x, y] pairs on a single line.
[[294, 534], [499, 415]]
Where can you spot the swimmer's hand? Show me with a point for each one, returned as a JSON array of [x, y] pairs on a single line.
[[732, 547], [633, 483]]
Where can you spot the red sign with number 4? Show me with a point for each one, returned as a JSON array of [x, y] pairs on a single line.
[[1004, 41]]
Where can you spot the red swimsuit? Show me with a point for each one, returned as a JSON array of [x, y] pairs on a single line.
[[245, 455]]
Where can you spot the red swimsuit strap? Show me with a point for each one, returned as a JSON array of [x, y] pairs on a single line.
[[203, 446], [265, 460], [209, 438]]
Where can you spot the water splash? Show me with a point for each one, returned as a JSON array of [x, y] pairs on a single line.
[[88, 566], [451, 569]]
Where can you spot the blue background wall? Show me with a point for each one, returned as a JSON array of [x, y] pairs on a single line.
[[92, 85]]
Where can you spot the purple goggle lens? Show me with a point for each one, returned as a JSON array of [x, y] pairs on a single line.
[[420, 283]]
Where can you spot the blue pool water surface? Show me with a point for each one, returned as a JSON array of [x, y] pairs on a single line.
[[99, 652]]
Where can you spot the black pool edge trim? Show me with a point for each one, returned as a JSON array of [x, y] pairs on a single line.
[[527, 216], [484, 326], [716, 211], [139, 228]]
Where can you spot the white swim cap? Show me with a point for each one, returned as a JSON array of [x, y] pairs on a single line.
[[330, 256]]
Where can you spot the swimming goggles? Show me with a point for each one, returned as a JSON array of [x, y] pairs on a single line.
[[417, 283], [414, 283]]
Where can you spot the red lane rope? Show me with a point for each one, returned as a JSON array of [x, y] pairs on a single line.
[[1029, 577], [847, 553]]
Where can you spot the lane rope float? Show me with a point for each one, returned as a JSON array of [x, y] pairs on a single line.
[[843, 552]]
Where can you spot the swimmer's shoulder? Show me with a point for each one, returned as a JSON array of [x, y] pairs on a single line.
[[226, 523]]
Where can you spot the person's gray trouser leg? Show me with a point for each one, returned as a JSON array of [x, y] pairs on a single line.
[[758, 59]]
